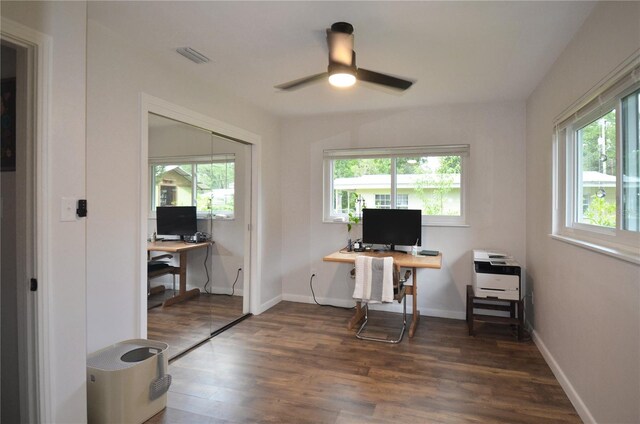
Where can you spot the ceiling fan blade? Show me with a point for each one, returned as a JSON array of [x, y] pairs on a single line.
[[382, 79], [293, 85]]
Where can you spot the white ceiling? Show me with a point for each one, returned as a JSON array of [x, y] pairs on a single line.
[[458, 52]]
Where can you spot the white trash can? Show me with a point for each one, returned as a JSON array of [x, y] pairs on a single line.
[[127, 382]]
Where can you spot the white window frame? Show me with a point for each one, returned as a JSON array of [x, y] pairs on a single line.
[[190, 160], [616, 241], [462, 150], [377, 205]]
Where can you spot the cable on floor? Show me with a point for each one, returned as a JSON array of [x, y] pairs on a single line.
[[206, 269], [233, 287], [322, 304]]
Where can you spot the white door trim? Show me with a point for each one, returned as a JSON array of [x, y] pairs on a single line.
[[39, 64], [161, 107]]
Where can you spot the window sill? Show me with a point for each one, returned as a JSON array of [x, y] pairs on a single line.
[[436, 224], [615, 252], [152, 217]]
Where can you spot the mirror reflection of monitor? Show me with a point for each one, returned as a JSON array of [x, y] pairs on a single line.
[[392, 227], [176, 221]]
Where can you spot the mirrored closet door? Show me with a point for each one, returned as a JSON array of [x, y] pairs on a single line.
[[199, 185]]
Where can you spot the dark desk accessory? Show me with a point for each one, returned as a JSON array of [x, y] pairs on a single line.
[[429, 253]]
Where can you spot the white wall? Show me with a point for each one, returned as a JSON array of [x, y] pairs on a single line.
[[66, 362], [117, 75], [587, 305], [495, 133]]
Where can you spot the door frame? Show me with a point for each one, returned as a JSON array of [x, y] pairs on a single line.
[[35, 327], [155, 105]]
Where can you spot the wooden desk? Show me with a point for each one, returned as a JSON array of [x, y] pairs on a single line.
[[404, 260], [182, 248]]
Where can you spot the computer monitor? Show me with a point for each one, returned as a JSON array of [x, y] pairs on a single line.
[[392, 227], [176, 220]]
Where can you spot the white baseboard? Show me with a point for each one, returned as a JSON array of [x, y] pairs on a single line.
[[268, 304], [395, 307], [573, 396], [442, 313]]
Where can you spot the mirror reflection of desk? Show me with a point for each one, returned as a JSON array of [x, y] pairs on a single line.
[[403, 260], [182, 248]]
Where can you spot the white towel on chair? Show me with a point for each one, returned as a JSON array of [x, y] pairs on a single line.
[[374, 279]]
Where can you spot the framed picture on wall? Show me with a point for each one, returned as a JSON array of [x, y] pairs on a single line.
[[8, 125]]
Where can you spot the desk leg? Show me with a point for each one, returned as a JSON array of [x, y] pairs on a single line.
[[415, 318], [357, 317], [183, 294], [520, 309]]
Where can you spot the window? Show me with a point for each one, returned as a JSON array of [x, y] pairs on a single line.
[[402, 201], [383, 201], [429, 178], [597, 190], [596, 171], [204, 182]]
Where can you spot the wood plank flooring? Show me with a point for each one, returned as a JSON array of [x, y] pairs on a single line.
[[185, 324], [297, 363]]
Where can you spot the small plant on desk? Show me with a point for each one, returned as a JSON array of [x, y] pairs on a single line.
[[354, 218]]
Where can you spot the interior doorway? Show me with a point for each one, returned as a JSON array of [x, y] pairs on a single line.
[[17, 172]]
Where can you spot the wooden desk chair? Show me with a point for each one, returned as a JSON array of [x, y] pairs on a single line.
[[157, 268], [399, 295]]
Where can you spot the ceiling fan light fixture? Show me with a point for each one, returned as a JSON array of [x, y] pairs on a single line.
[[341, 76], [342, 79]]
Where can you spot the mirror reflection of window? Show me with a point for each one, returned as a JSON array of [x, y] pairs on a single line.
[[167, 195], [205, 182]]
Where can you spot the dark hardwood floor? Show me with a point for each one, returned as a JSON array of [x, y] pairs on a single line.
[[298, 363], [185, 324]]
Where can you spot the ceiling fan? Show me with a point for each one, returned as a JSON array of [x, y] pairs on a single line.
[[342, 70]]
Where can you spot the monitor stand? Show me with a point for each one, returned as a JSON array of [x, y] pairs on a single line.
[[392, 248]]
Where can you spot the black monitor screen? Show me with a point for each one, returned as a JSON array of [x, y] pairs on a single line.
[[176, 220], [392, 227]]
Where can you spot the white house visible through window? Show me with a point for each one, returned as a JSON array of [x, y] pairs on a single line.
[[429, 178], [597, 182], [205, 182]]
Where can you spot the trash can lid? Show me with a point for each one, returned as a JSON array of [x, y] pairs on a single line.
[[110, 358]]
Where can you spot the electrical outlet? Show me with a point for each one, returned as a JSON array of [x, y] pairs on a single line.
[[314, 271]]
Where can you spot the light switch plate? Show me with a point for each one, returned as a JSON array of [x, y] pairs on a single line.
[[68, 209]]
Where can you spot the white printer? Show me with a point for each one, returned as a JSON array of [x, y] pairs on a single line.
[[496, 275]]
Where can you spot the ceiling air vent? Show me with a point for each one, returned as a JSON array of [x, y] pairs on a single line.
[[192, 55]]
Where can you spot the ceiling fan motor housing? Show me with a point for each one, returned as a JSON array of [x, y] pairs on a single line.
[[343, 27], [339, 68], [340, 44]]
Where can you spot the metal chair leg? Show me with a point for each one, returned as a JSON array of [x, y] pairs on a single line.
[[379, 339]]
